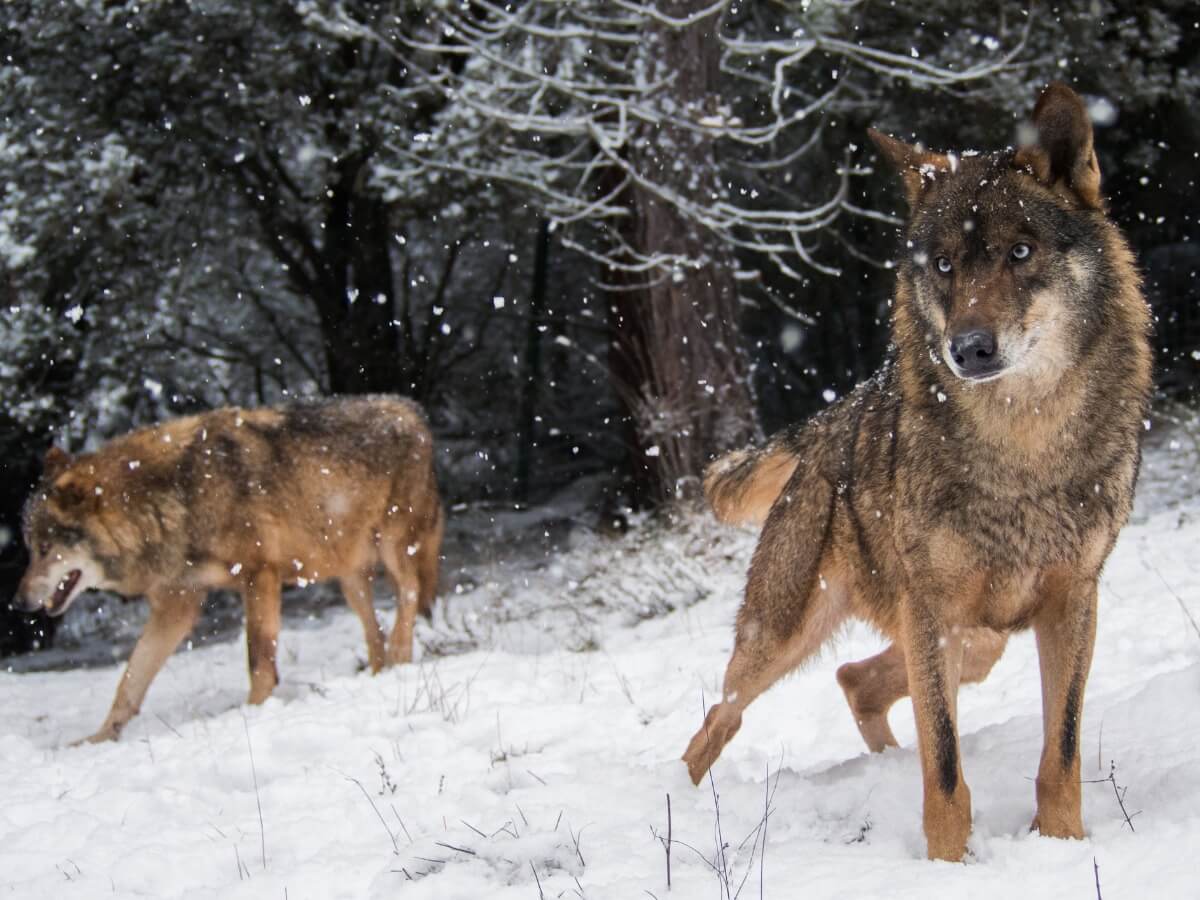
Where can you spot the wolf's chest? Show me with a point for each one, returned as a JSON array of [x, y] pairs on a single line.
[[1032, 529]]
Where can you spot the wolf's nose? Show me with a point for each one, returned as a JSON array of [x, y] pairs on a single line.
[[974, 352], [22, 602]]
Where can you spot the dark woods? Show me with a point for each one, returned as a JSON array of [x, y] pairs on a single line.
[[594, 239]]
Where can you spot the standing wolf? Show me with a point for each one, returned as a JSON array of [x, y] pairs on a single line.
[[247, 500], [976, 484]]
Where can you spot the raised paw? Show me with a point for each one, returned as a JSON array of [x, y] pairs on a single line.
[[869, 714], [720, 725], [105, 734]]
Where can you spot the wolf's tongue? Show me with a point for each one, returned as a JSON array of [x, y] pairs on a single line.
[[63, 591]]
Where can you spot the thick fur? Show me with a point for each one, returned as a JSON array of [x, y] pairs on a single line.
[[247, 500], [742, 486], [948, 511]]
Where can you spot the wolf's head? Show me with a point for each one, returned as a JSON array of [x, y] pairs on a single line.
[[1005, 256], [65, 556]]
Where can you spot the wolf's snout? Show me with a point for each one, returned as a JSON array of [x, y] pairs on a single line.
[[22, 602], [974, 353]]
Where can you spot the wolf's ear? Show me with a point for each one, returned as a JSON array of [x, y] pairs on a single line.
[[55, 461], [69, 496], [1063, 153], [916, 166]]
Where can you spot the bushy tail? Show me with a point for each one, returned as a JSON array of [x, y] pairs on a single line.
[[742, 486]]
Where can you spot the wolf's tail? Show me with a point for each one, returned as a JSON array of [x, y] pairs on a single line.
[[742, 486]]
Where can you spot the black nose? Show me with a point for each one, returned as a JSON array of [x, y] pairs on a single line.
[[22, 602], [974, 352]]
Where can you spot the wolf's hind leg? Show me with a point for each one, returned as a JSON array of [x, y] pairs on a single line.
[[263, 611], [172, 615], [428, 558], [402, 571], [872, 686], [794, 601], [356, 589]]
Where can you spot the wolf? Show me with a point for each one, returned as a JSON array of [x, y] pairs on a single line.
[[247, 500], [976, 484]]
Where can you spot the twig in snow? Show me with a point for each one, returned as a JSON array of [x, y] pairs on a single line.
[[402, 825], [262, 832], [473, 828], [532, 868], [1170, 590], [243, 869], [386, 785], [1096, 869], [704, 859], [722, 860], [762, 857], [379, 815], [575, 839], [1119, 793], [667, 843]]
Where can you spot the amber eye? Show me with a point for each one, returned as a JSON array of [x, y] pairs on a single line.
[[1020, 252], [943, 265]]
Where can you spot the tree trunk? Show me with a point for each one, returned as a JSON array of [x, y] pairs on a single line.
[[356, 299], [676, 360], [526, 435]]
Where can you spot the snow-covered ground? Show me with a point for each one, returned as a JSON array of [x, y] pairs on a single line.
[[532, 751]]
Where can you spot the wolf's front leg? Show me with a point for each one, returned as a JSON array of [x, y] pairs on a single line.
[[1066, 633], [263, 610], [172, 615], [933, 657]]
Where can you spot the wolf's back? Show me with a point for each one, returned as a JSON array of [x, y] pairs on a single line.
[[742, 486]]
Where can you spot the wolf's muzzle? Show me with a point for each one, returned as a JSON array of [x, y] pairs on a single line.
[[24, 602], [974, 353]]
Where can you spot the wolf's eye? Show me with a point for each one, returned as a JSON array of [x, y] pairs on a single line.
[[943, 265], [1020, 252], [43, 549]]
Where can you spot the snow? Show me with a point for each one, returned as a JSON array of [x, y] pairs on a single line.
[[531, 750]]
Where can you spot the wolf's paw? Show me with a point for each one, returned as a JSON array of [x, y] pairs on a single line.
[[1057, 827], [259, 692], [373, 664], [872, 721], [720, 725], [104, 735], [399, 655]]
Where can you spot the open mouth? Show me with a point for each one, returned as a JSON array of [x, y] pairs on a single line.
[[58, 603]]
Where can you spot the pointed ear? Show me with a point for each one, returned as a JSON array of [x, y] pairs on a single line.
[[70, 496], [916, 166], [55, 461], [1063, 153]]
